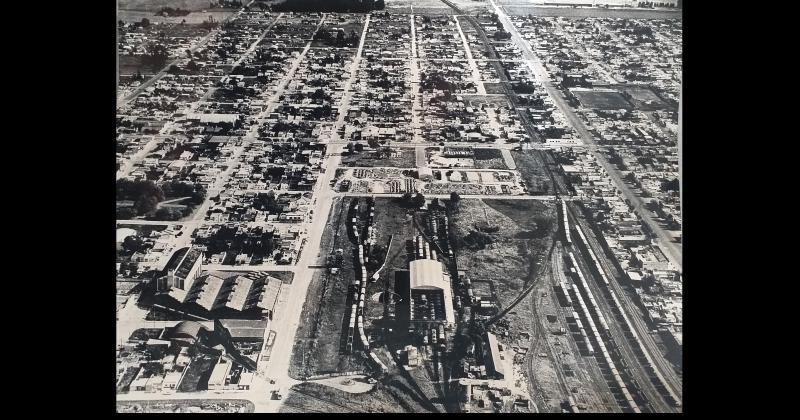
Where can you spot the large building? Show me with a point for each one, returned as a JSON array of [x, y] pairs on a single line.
[[429, 294], [182, 269], [494, 358]]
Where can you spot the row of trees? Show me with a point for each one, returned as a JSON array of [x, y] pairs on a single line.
[[147, 194]]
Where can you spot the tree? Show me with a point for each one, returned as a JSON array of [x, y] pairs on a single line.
[[145, 204], [168, 213], [359, 147], [133, 243], [145, 23], [373, 143], [121, 23], [124, 213], [672, 185], [418, 200]]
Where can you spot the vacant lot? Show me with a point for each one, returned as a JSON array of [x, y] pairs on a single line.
[[403, 158], [156, 5], [532, 168], [489, 159], [186, 406], [644, 98], [520, 8], [504, 242], [131, 64], [392, 395], [601, 99], [318, 346]]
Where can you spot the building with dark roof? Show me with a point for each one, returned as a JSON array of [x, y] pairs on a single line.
[[187, 333], [494, 359], [182, 269]]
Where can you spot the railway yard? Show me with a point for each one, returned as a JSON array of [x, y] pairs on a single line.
[[440, 206]]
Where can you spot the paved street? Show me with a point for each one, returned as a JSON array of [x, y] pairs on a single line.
[[672, 250]]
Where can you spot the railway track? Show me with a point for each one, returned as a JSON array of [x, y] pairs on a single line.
[[634, 346], [661, 373], [505, 82]]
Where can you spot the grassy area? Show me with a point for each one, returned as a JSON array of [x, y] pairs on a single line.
[[186, 406], [533, 171], [489, 159], [393, 395], [156, 5], [602, 100], [519, 233], [404, 159], [318, 348]]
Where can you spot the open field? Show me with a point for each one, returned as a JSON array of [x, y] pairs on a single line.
[[520, 9], [644, 98], [531, 167], [186, 406], [489, 159], [129, 16], [318, 348], [156, 5], [392, 395], [130, 64], [403, 159], [602, 99], [434, 6], [519, 234]]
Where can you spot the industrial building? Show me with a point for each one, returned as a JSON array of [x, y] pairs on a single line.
[[211, 296], [428, 292], [494, 358], [182, 269]]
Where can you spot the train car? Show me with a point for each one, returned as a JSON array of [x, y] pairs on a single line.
[[567, 238], [589, 349]]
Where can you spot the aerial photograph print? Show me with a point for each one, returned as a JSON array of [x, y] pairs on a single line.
[[399, 206]]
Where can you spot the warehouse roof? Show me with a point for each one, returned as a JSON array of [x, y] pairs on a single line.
[[428, 274]]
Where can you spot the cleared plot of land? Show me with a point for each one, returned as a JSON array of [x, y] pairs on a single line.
[[393, 395], [532, 168], [602, 99], [129, 16], [489, 159], [156, 5], [504, 242], [583, 12], [644, 98], [130, 64], [318, 347], [186, 406], [434, 6], [492, 88], [403, 158]]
